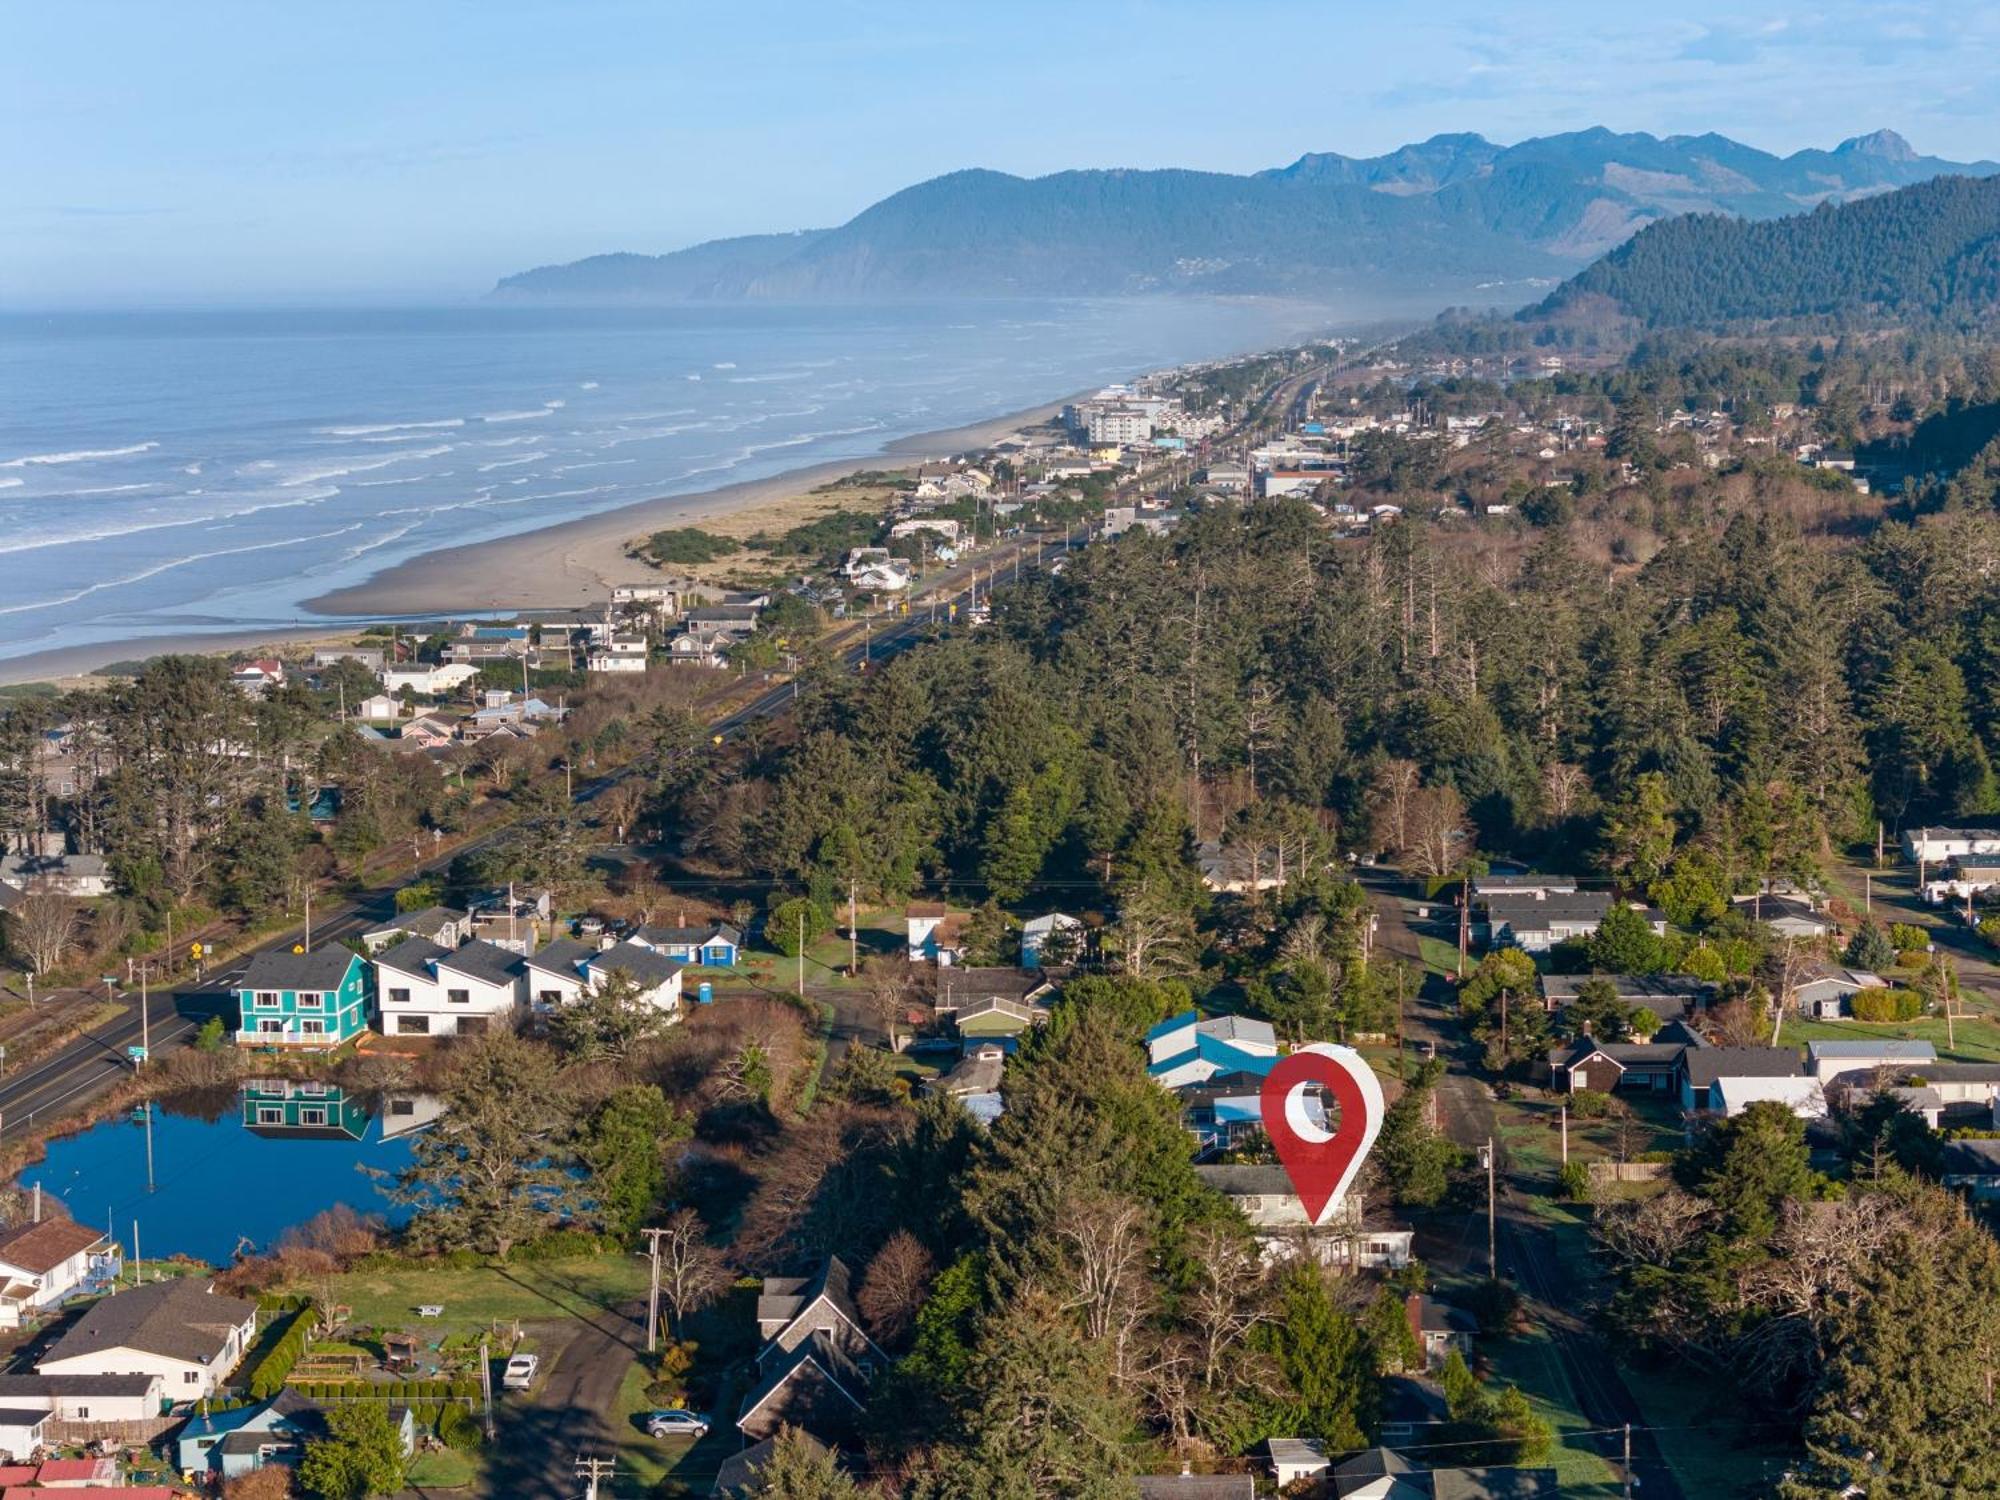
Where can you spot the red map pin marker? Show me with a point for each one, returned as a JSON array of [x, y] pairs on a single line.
[[1321, 1163]]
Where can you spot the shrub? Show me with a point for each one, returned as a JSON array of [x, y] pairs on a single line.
[[1590, 1104], [687, 544], [460, 1429], [558, 1244], [266, 1377], [1574, 1180], [1907, 936], [1912, 958], [1989, 928], [1887, 1005]]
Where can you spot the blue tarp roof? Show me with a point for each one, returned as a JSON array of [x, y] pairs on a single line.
[[1174, 1023], [1226, 1057]]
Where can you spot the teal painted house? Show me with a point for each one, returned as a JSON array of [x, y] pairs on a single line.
[[310, 1000], [302, 1109]]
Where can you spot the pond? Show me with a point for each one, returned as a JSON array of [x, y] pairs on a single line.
[[207, 1173]]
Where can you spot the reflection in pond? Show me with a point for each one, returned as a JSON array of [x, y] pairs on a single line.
[[214, 1171]]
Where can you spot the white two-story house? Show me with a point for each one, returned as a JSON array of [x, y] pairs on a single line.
[[183, 1330], [424, 990], [43, 1263]]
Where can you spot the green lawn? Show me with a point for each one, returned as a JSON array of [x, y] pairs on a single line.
[[445, 1469], [1978, 1036], [1698, 1422], [1439, 956], [474, 1298]]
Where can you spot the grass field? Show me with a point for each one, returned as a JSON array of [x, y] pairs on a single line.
[[445, 1469], [478, 1297], [1977, 1036]]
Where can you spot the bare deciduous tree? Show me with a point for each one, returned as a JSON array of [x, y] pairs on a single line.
[[894, 1287], [1395, 784], [43, 923], [1440, 838], [1106, 1239], [692, 1273], [1563, 789]]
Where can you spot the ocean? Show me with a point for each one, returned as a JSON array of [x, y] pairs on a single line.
[[172, 473]]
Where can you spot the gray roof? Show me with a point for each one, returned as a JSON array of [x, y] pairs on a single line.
[[1976, 1158], [643, 964], [691, 934], [1533, 911], [1890, 1049], [1434, 1316], [1625, 1054], [427, 921], [1955, 1072], [1632, 989], [739, 1471], [281, 969], [1238, 1029], [846, 1376], [1257, 1181], [23, 1416], [1706, 1064], [13, 1387], [563, 956], [414, 955], [180, 1319], [1197, 1487], [1495, 885], [483, 960]]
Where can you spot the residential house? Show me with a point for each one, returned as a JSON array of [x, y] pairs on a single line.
[[315, 1000], [429, 681], [369, 657], [1668, 996], [1442, 1330], [258, 677], [1185, 1049], [1525, 884], [424, 990], [620, 653], [511, 921], [83, 876], [554, 977], [996, 1017], [1936, 845], [1238, 869], [817, 1361], [936, 933], [1965, 877], [1702, 1068], [658, 977], [226, 1445], [85, 1408], [427, 732], [711, 945], [1054, 933], [695, 647], [975, 1081], [1224, 1111], [378, 708], [738, 1476], [1413, 1408], [1295, 1459], [1803, 1096], [1188, 1485], [443, 925], [44, 1263], [1788, 916], [1828, 993], [1609, 1066], [182, 1330], [1828, 1060], [1537, 923], [23, 1433], [1344, 1237], [1973, 1165], [1383, 1474]]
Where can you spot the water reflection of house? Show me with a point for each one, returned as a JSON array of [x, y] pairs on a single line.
[[288, 1108], [406, 1114]]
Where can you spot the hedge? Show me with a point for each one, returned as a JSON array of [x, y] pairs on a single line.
[[1887, 1005], [267, 1376]]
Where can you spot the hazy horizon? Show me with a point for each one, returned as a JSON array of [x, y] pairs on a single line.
[[236, 155]]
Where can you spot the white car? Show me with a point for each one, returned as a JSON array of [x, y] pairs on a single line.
[[520, 1372], [676, 1423]]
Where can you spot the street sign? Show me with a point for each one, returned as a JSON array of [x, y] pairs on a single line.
[[136, 1053], [195, 950]]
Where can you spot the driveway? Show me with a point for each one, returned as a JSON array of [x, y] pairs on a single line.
[[542, 1433]]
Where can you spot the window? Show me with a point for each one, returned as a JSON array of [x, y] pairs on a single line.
[[402, 1106], [312, 1116], [399, 997], [310, 1000], [271, 1026], [548, 997], [191, 1377], [413, 1025], [266, 1000], [270, 1114], [459, 997], [311, 1027]]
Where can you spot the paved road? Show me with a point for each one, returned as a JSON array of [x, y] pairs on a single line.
[[1526, 1246], [544, 1432]]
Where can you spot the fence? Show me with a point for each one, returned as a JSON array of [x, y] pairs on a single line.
[[1628, 1171]]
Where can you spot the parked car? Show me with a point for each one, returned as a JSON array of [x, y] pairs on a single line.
[[520, 1372], [676, 1423], [589, 925]]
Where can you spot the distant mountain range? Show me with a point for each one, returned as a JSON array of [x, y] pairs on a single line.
[[1453, 211], [1923, 254]]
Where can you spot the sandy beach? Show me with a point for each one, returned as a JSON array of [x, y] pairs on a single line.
[[567, 565], [574, 563]]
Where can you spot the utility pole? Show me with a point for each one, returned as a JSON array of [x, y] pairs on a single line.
[[145, 1019], [1628, 1461], [486, 1385], [1565, 1130], [593, 1471], [1868, 890], [853, 931], [1464, 921], [307, 944], [1492, 1247], [802, 950], [653, 1295]]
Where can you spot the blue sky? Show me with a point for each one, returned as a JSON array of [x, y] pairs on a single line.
[[204, 151]]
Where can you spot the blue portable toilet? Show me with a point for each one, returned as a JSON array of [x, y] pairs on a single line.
[[706, 994]]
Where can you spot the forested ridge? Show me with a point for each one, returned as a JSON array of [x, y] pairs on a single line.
[[1922, 254]]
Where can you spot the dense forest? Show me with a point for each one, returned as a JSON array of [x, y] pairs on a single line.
[[1923, 254]]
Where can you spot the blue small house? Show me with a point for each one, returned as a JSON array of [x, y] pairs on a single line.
[[316, 1000], [230, 1444], [714, 946]]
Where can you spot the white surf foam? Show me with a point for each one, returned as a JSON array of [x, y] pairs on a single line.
[[374, 427], [76, 456]]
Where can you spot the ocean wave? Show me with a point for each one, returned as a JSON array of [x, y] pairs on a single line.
[[11, 484], [512, 442], [594, 463], [339, 467], [693, 377], [588, 385], [374, 427], [727, 364], [557, 405], [191, 468], [76, 455], [100, 489], [769, 379], [508, 463], [168, 566], [514, 416]]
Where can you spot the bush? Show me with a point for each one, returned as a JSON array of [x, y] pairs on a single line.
[[1574, 1180], [558, 1244], [286, 1343], [1590, 1104], [1887, 1005], [1907, 936], [1989, 928], [460, 1429], [687, 544], [1912, 958]]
